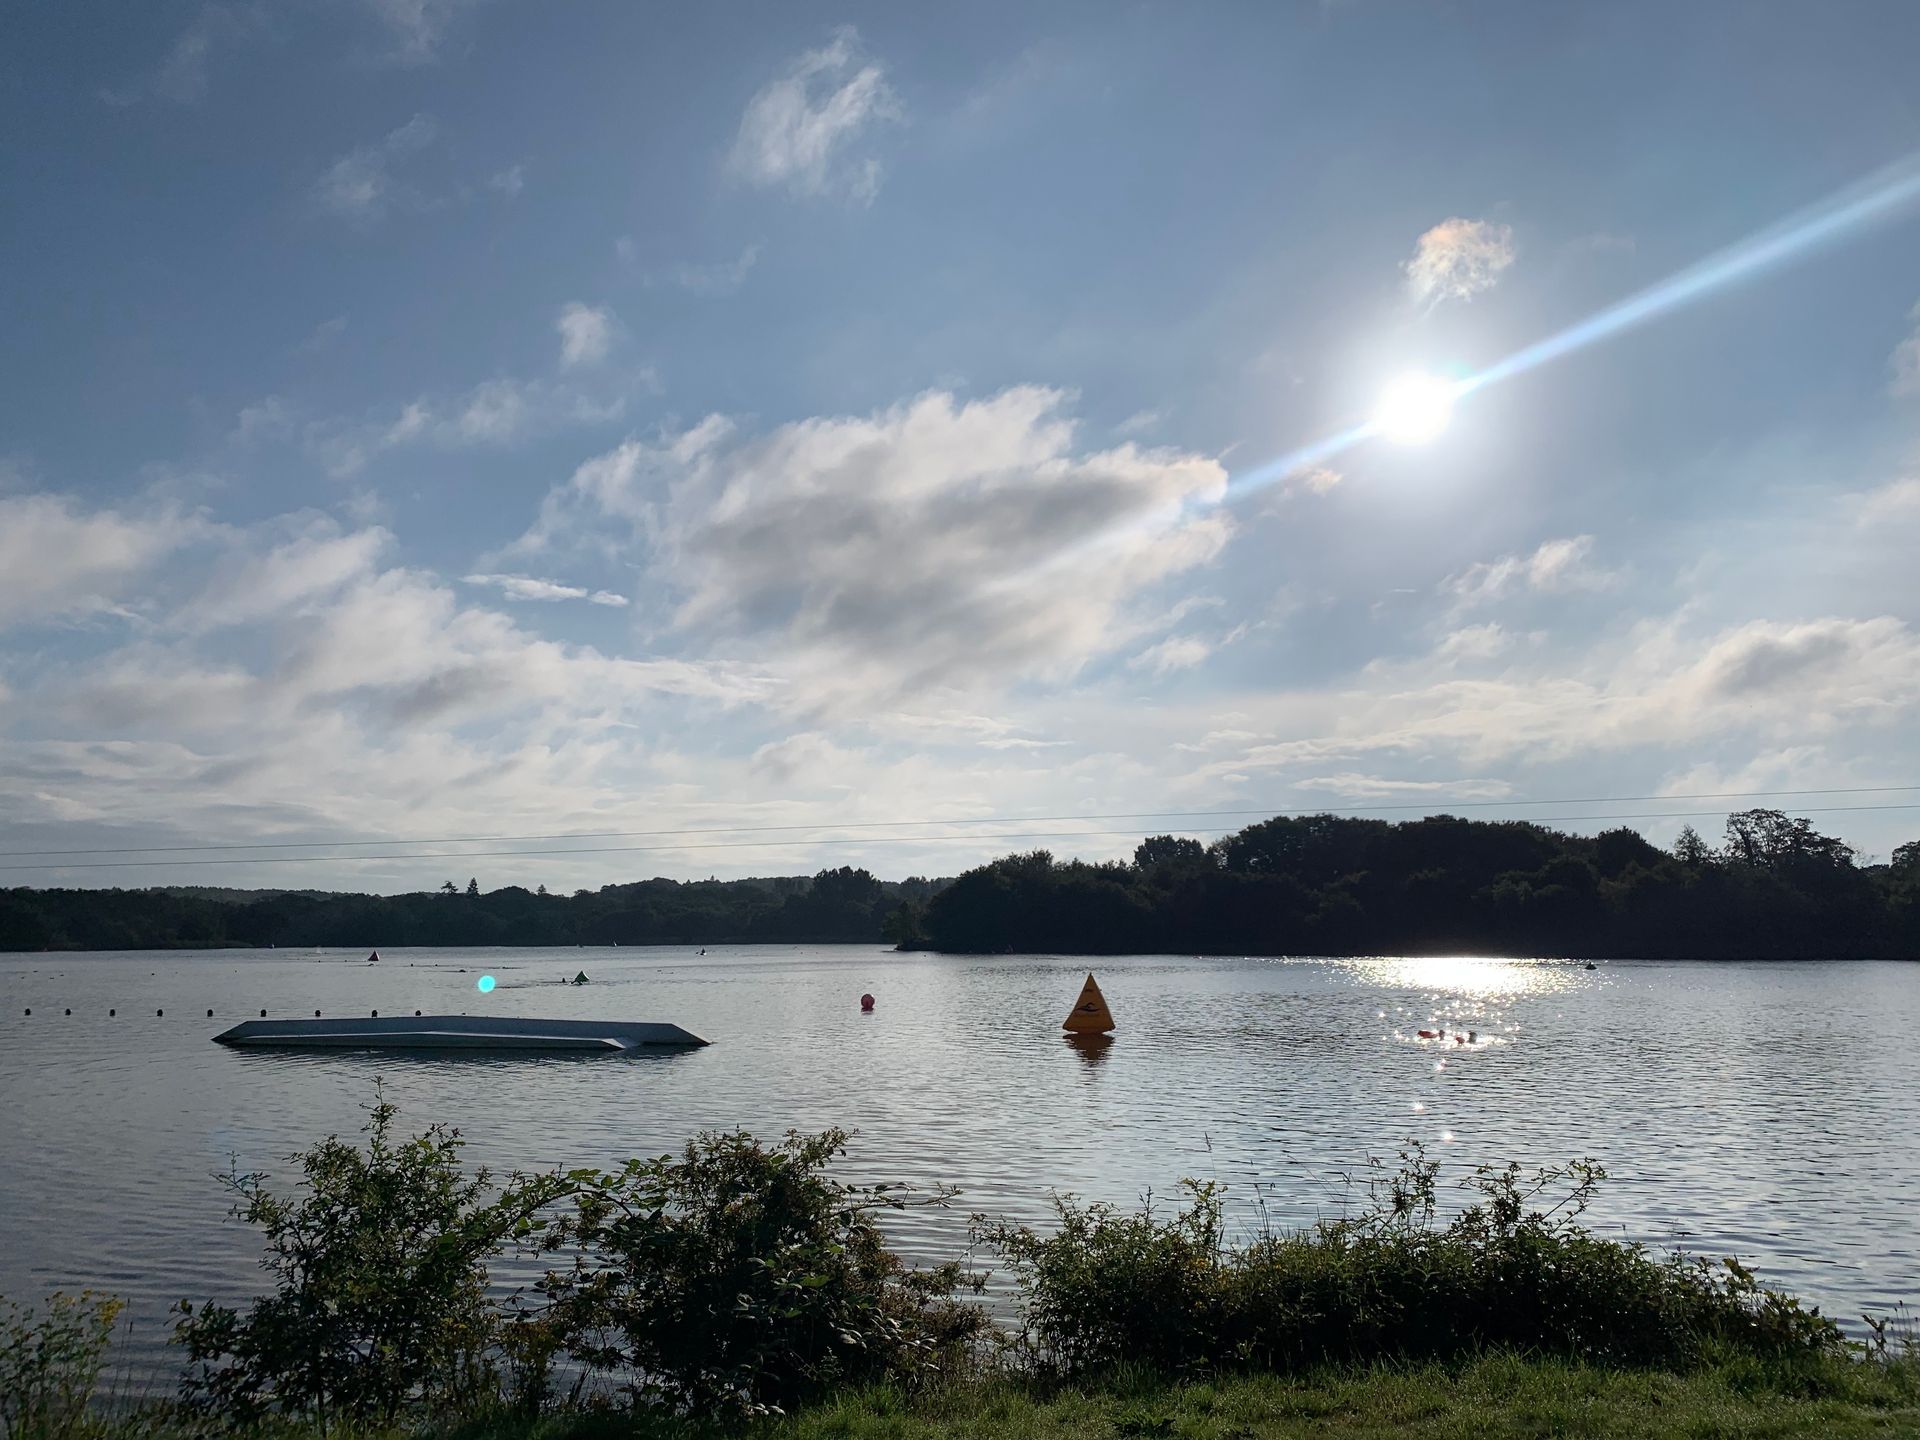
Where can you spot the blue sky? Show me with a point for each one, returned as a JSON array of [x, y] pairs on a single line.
[[435, 418]]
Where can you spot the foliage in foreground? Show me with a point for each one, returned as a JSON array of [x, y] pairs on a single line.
[[740, 1279], [380, 1276], [50, 1363], [1514, 1270], [737, 1282], [737, 1279]]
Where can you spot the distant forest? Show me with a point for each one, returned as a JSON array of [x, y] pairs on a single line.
[[1312, 885], [1329, 885], [835, 905]]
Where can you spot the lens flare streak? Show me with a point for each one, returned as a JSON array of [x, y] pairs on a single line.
[[1859, 205], [1875, 197]]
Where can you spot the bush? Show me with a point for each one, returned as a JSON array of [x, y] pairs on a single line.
[[1513, 1270], [740, 1280], [380, 1285], [50, 1363]]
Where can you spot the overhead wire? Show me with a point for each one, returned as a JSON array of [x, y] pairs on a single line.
[[1426, 805], [856, 841]]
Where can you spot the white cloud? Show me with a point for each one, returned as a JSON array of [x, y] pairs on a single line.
[[181, 76], [57, 559], [529, 587], [1556, 567], [270, 418], [308, 691], [1458, 259], [1176, 652], [1660, 686], [586, 334], [1894, 503], [508, 182], [361, 186], [1475, 642], [1317, 480], [322, 335], [316, 562], [1905, 361], [496, 412], [1354, 786], [721, 279], [1139, 423], [797, 129], [417, 27], [392, 647], [933, 543], [808, 753]]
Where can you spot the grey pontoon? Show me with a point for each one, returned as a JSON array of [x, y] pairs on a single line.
[[457, 1032]]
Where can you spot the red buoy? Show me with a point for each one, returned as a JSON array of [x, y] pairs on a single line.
[[866, 1002]]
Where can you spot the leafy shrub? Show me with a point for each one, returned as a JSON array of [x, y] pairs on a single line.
[[1513, 1270], [380, 1284], [740, 1279], [50, 1362], [1109, 1289]]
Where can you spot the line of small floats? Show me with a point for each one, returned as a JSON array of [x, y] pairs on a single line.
[[1090, 1021]]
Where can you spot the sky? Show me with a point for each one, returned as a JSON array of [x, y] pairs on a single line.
[[769, 436]]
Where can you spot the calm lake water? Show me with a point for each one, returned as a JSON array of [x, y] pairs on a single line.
[[1766, 1110]]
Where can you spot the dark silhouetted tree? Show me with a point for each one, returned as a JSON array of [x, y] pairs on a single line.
[[1157, 850], [1690, 850]]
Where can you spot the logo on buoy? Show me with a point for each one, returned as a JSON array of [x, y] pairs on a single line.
[[1090, 1015]]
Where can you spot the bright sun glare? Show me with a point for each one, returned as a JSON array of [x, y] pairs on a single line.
[[1414, 409]]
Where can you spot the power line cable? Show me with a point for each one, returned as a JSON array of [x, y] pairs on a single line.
[[818, 841], [969, 820]]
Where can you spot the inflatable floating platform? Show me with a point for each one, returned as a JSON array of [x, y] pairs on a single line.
[[457, 1032]]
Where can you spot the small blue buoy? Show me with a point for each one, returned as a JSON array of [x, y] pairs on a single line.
[[485, 984]]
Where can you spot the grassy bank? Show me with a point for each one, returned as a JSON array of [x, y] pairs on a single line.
[[1502, 1396], [1489, 1399]]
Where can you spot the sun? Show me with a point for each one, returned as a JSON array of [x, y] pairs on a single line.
[[1414, 409]]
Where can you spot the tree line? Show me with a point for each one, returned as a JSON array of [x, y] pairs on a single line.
[[1775, 888], [1330, 885], [840, 905]]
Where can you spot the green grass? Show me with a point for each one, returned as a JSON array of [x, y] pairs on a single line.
[[1492, 1398], [1496, 1398]]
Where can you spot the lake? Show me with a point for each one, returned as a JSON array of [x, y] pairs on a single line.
[[1768, 1110]]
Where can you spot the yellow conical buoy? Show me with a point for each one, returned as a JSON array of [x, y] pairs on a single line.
[[1090, 1015]]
